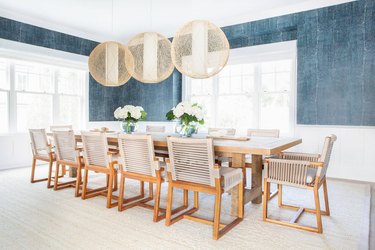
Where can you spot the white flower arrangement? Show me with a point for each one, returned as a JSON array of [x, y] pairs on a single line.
[[130, 113], [187, 112]]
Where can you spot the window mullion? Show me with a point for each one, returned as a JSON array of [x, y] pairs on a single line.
[[258, 93], [12, 102], [55, 100]]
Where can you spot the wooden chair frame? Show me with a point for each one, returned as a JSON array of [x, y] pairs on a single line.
[[219, 229], [49, 157], [139, 200], [76, 184], [317, 211]]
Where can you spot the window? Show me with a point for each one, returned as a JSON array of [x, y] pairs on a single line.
[[256, 93], [35, 95]]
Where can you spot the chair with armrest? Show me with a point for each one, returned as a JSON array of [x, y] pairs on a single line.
[[158, 129], [307, 171], [192, 167], [99, 159], [67, 154], [42, 151], [138, 162]]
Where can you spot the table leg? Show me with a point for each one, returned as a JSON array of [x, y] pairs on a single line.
[[256, 178], [72, 172], [238, 161]]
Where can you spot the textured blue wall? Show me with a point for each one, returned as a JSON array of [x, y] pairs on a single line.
[[157, 99], [336, 60], [26, 33], [335, 76]]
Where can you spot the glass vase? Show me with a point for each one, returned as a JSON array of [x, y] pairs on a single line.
[[188, 130], [128, 127]]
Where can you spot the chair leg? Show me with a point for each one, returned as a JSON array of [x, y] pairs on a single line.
[[265, 201], [157, 201], [63, 167], [196, 199], [318, 212], [217, 216], [55, 184], [110, 188], [280, 195], [84, 187], [49, 174], [186, 198], [121, 193], [78, 181], [326, 202], [151, 190], [240, 200], [33, 170], [142, 188], [169, 206], [115, 181]]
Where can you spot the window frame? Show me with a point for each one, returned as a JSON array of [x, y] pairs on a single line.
[[55, 64], [256, 55]]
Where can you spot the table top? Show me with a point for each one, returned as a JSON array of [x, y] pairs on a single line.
[[255, 145]]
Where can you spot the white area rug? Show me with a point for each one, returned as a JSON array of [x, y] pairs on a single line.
[[33, 217]]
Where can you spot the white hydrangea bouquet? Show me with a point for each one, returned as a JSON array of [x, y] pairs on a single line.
[[191, 116], [129, 115]]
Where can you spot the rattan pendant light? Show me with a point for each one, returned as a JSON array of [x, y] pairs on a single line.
[[200, 49], [152, 57], [111, 64]]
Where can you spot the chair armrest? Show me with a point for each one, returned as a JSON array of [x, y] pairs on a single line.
[[295, 172], [300, 156]]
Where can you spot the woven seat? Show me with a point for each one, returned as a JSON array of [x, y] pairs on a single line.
[[138, 162], [307, 171], [42, 151], [67, 155], [99, 159], [192, 167]]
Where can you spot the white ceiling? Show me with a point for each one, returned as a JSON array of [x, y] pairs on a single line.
[[92, 19]]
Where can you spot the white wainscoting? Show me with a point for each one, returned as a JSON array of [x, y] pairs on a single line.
[[352, 157]]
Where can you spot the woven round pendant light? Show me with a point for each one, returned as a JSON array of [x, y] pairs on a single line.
[[111, 64], [152, 57], [200, 49]]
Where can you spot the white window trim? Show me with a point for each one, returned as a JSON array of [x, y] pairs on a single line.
[[15, 51], [258, 54]]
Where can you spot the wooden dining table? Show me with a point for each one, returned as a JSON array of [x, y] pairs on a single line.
[[237, 150]]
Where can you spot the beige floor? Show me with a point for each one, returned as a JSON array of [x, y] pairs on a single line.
[[33, 217]]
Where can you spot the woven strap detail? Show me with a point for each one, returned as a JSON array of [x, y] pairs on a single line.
[[39, 142], [137, 154], [95, 148], [192, 160], [65, 145], [232, 177]]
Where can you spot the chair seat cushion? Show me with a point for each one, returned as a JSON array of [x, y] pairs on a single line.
[[232, 177]]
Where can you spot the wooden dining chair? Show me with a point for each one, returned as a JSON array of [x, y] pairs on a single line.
[[159, 152], [99, 159], [138, 162], [192, 167], [155, 129], [42, 151], [67, 154], [60, 127], [307, 171], [223, 132]]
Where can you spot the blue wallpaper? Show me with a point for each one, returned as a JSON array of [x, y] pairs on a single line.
[[335, 76], [336, 60], [157, 99], [26, 33]]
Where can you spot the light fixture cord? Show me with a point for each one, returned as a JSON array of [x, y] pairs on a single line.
[[151, 15], [112, 17]]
